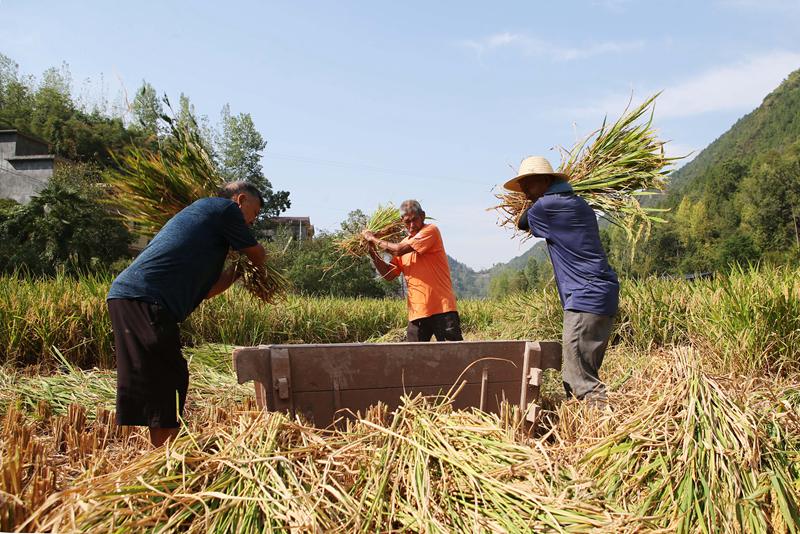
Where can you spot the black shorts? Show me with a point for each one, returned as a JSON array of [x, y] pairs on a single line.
[[445, 326], [152, 376]]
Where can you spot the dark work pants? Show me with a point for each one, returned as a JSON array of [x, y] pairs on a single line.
[[583, 348], [152, 375], [445, 326]]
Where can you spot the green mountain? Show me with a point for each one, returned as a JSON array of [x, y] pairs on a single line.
[[469, 283], [773, 126], [538, 251], [737, 202]]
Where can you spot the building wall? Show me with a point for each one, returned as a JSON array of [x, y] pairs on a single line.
[[30, 147], [21, 180], [7, 146], [300, 231]]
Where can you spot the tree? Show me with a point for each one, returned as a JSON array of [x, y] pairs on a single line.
[[736, 249], [187, 118], [9, 72], [239, 149], [314, 268], [355, 222], [532, 275], [499, 284], [147, 109], [769, 200], [61, 228]]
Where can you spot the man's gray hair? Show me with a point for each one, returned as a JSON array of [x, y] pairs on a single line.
[[411, 206], [231, 189]]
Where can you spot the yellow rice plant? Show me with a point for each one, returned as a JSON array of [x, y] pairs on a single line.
[[150, 186], [610, 168]]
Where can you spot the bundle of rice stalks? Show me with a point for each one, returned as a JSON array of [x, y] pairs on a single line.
[[386, 223], [151, 186], [610, 168], [432, 469], [424, 469], [702, 459], [265, 283]]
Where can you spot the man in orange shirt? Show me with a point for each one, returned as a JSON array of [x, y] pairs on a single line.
[[422, 260]]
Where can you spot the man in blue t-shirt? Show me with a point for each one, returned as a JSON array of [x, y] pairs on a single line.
[[587, 285], [182, 266]]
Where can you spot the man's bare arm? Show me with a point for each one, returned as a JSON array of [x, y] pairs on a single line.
[[386, 270], [396, 249], [225, 280], [256, 254]]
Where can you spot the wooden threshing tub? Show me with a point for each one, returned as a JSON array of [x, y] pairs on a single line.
[[317, 381]]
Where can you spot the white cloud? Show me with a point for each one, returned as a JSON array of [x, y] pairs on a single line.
[[612, 5], [761, 5], [532, 46], [737, 87]]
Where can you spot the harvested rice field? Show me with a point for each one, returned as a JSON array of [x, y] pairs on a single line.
[[702, 431]]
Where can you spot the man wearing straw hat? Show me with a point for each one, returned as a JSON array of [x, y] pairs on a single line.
[[422, 260], [587, 286]]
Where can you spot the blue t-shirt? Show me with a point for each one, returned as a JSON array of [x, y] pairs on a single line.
[[184, 260], [585, 280]]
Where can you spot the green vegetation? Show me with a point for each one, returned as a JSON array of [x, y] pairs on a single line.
[[62, 229], [93, 132], [47, 108], [754, 312], [737, 202]]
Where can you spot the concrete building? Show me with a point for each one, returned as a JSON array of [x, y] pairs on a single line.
[[26, 165], [300, 228]]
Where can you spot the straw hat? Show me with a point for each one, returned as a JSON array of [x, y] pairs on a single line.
[[532, 166]]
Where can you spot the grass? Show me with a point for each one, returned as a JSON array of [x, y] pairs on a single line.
[[704, 381], [754, 311]]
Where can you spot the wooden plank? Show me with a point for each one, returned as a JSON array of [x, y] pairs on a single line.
[[400, 364], [551, 355], [252, 363], [281, 394], [318, 406]]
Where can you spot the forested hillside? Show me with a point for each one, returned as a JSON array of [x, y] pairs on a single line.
[[738, 202], [774, 125]]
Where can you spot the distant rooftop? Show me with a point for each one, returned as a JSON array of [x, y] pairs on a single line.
[[290, 219]]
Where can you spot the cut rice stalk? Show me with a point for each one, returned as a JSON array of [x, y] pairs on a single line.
[[266, 282], [386, 223], [610, 168], [152, 186]]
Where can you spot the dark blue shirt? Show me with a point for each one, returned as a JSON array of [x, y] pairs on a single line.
[[585, 280], [184, 260]]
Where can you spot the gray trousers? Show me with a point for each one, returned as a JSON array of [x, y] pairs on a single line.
[[583, 348]]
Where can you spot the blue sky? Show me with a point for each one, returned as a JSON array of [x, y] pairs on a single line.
[[369, 102]]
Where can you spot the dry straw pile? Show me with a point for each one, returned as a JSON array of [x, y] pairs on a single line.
[[152, 185], [610, 168], [682, 451]]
